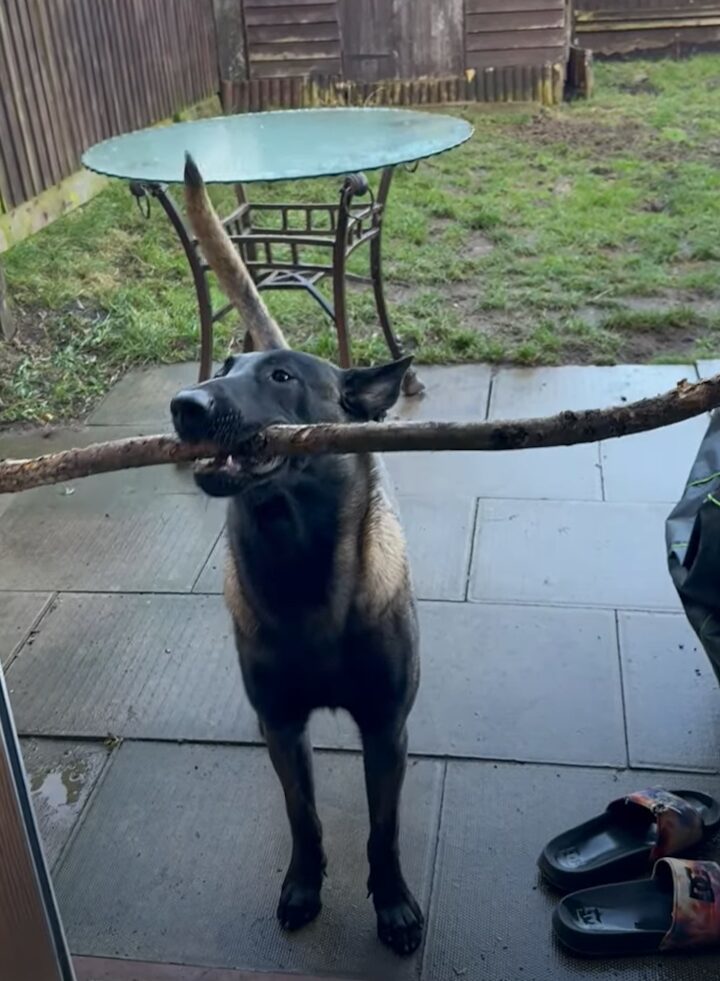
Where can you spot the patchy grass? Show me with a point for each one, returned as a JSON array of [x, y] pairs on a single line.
[[586, 233]]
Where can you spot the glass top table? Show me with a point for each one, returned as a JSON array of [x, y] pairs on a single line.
[[274, 239]]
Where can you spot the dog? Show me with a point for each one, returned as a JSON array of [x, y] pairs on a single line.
[[317, 579]]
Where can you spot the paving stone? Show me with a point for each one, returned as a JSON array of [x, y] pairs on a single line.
[[62, 776], [558, 473], [706, 369], [647, 467], [671, 694], [453, 393], [195, 842], [519, 683], [141, 530], [652, 466], [160, 667], [19, 612], [522, 392], [142, 397], [438, 531], [490, 916], [576, 553]]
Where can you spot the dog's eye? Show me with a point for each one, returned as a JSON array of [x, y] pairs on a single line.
[[280, 375]]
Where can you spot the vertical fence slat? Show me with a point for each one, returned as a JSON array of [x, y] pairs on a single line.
[[73, 72]]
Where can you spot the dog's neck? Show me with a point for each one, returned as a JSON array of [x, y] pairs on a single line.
[[290, 539]]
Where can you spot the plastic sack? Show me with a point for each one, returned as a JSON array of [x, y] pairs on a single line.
[[692, 535]]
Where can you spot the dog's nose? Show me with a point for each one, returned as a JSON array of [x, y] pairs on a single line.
[[191, 412]]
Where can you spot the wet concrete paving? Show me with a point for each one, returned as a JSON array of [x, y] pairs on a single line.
[[558, 673]]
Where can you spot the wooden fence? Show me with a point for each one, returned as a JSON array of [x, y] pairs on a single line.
[[73, 72], [391, 51], [617, 27]]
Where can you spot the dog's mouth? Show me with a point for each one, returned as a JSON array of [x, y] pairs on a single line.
[[229, 474], [244, 466]]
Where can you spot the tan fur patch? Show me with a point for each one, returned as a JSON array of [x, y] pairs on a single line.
[[236, 601], [384, 565]]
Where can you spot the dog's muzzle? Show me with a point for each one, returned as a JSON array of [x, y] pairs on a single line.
[[197, 417], [192, 414]]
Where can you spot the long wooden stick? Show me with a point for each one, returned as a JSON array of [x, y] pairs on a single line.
[[564, 429]]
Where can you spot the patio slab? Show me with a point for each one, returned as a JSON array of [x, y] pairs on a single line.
[[557, 472], [708, 368], [671, 694], [142, 397], [572, 553], [158, 667], [519, 683], [19, 613], [62, 775], [522, 392], [652, 466], [202, 853], [490, 915], [453, 393], [107, 535], [439, 534]]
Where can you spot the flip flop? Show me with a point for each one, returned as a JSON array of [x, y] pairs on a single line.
[[633, 833], [677, 909]]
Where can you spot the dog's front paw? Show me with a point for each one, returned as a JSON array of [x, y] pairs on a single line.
[[400, 925], [299, 904]]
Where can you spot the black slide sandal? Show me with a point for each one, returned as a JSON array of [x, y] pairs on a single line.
[[628, 837], [677, 909]]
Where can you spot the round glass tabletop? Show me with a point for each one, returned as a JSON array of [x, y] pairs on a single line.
[[283, 145]]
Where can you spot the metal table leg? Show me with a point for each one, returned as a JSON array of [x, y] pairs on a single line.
[[140, 191], [354, 186], [411, 383]]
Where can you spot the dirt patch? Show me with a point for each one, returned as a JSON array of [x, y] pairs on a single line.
[[402, 292], [476, 245], [30, 339], [599, 135], [602, 136], [637, 347]]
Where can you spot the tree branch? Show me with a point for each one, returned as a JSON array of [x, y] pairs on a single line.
[[564, 429]]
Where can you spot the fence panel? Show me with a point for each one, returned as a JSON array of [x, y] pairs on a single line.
[[73, 72]]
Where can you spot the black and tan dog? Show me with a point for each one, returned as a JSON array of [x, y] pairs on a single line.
[[317, 579]]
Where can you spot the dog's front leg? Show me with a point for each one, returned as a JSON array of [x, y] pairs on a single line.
[[399, 918], [291, 756]]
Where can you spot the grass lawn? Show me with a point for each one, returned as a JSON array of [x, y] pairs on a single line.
[[587, 233]]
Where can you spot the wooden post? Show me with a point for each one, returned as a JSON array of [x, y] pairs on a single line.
[[231, 41], [7, 324]]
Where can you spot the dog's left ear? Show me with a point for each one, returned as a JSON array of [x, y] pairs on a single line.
[[226, 367], [368, 393]]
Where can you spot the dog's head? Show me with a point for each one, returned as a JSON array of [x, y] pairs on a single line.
[[252, 391]]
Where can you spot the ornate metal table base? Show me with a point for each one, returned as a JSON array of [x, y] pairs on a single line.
[[305, 244]]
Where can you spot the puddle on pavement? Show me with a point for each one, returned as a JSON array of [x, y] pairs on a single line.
[[58, 789], [62, 787], [61, 776]]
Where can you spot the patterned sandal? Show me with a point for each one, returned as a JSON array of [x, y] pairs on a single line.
[[677, 909], [634, 832]]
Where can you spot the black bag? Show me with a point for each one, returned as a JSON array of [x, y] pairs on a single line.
[[692, 534]]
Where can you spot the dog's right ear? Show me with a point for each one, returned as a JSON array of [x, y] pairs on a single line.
[[368, 393], [226, 367]]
